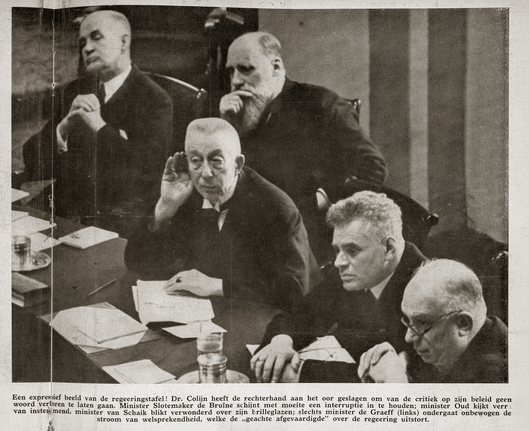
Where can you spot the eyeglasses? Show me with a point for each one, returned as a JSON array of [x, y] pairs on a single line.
[[422, 333]]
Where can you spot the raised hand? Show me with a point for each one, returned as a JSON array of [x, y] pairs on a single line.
[[232, 103], [176, 188]]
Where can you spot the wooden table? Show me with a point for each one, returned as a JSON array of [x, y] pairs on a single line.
[[73, 274]]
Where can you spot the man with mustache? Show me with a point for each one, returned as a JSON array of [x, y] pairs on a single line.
[[453, 339], [110, 134], [303, 138], [360, 300], [220, 229]]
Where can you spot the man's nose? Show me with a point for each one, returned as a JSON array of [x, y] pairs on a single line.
[[236, 80], [206, 171], [88, 47], [409, 335], [340, 260]]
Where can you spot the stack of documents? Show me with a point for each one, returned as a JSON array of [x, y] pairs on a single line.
[[26, 291], [144, 371], [99, 327], [153, 304]]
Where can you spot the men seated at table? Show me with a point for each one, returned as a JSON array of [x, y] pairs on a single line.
[[303, 138], [222, 228], [110, 132], [447, 324], [360, 298]]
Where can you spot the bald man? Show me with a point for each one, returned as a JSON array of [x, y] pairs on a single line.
[[110, 134], [303, 138], [219, 229], [447, 325]]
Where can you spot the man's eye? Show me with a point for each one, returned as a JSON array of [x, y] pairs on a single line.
[[245, 69]]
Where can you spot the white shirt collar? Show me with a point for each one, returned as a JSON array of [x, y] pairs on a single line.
[[115, 83], [377, 290]]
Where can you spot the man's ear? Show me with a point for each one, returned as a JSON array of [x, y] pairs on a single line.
[[464, 322], [239, 163], [391, 247], [277, 64], [125, 42]]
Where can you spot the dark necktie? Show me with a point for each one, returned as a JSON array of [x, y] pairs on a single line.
[[210, 222], [101, 94]]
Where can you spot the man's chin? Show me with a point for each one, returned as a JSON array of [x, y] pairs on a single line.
[[351, 285], [211, 195]]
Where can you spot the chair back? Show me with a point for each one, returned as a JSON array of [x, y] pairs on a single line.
[[189, 103]]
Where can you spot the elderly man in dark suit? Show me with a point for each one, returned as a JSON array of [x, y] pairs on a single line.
[[303, 138], [453, 339], [219, 229], [360, 300], [110, 132]]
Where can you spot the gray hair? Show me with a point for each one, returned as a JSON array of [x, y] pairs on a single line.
[[213, 125], [119, 19], [458, 286], [375, 208]]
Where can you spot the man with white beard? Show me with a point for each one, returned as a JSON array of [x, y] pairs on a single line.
[[303, 138]]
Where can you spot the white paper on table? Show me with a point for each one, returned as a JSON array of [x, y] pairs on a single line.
[[16, 195], [155, 305], [323, 349], [28, 225], [15, 215], [84, 326], [88, 237], [326, 349], [143, 371], [39, 241], [252, 348], [194, 329]]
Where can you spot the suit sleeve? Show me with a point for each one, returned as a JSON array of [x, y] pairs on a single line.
[[356, 155], [293, 265], [40, 151], [311, 317], [328, 372], [148, 142], [157, 255]]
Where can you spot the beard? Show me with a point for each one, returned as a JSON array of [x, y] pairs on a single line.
[[250, 116]]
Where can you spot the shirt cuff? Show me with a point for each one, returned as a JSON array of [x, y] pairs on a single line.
[[62, 144]]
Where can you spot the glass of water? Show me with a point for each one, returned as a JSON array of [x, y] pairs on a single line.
[[209, 343]]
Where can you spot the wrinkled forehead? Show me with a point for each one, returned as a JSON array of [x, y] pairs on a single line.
[[220, 142], [356, 230]]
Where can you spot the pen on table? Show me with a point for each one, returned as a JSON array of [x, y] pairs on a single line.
[[102, 287]]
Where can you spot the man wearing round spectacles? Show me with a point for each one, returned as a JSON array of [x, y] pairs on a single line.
[[447, 325]]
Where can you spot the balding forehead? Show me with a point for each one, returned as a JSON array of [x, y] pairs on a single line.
[[224, 139], [423, 295], [108, 19]]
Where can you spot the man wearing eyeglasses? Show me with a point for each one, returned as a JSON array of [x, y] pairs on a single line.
[[359, 300], [446, 322]]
